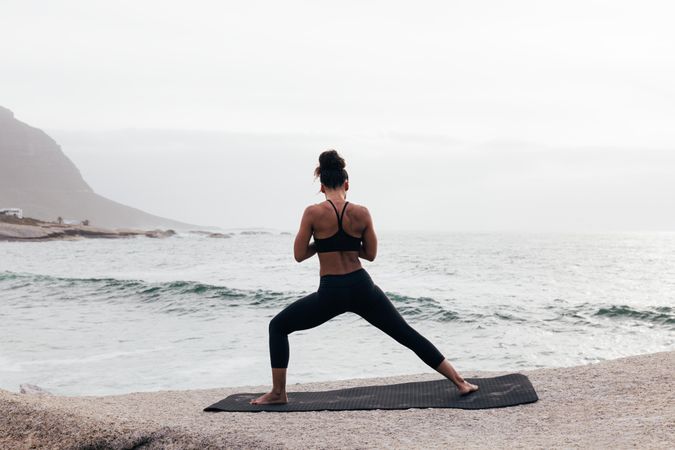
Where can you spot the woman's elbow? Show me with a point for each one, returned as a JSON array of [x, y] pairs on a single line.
[[368, 256]]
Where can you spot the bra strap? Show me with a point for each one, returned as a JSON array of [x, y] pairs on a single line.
[[343, 214], [337, 214]]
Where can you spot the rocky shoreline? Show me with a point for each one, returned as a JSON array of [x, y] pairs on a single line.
[[28, 229], [623, 403]]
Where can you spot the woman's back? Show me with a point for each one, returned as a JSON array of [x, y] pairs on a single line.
[[325, 226], [341, 235], [326, 219]]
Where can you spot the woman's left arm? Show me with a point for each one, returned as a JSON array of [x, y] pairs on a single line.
[[302, 249]]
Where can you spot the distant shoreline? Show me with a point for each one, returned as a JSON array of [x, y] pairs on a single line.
[[622, 403], [29, 229]]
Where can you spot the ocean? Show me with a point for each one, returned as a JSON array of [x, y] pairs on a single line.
[[96, 316]]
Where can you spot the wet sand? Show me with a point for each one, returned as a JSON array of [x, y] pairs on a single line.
[[623, 403]]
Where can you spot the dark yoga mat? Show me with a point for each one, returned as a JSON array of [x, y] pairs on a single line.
[[497, 392]]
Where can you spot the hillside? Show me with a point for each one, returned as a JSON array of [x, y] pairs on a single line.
[[36, 176]]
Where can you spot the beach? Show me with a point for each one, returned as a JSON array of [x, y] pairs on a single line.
[[622, 403], [192, 195]]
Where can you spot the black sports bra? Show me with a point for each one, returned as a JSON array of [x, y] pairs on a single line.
[[340, 241]]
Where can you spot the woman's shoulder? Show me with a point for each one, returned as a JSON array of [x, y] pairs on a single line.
[[352, 209], [355, 207], [352, 205], [313, 209], [358, 213]]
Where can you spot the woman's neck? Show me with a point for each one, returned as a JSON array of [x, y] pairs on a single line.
[[334, 196]]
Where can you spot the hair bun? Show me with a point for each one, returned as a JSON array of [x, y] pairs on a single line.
[[331, 169], [330, 160]]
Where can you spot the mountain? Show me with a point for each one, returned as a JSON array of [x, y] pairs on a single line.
[[36, 176]]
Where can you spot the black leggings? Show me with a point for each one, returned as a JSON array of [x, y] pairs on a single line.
[[354, 292]]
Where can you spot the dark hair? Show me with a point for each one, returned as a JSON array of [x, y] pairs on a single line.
[[331, 169]]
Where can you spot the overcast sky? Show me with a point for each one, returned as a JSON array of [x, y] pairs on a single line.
[[568, 93]]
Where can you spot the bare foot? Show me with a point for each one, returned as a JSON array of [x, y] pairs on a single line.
[[271, 398], [467, 388]]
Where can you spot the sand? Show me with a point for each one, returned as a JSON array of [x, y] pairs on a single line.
[[623, 403]]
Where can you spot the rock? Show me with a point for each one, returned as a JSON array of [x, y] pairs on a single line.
[[219, 235], [10, 231], [31, 389], [29, 229], [211, 234], [202, 232], [159, 233]]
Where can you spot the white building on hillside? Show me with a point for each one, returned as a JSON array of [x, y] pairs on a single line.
[[16, 212]]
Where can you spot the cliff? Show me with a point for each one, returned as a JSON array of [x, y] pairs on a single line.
[[36, 176]]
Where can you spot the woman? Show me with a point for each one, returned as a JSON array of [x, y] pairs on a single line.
[[344, 284]]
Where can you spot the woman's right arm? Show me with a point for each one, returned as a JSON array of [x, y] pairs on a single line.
[[302, 249], [368, 249]]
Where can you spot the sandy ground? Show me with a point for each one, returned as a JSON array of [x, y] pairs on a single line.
[[628, 402]]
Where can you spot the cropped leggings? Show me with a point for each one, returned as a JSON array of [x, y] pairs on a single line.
[[354, 292]]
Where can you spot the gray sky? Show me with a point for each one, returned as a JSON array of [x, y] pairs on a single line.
[[532, 103], [407, 181]]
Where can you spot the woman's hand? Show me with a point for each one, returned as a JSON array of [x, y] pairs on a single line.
[[311, 250]]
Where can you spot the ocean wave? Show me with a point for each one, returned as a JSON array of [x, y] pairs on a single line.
[[588, 314], [422, 308], [181, 297], [176, 296], [663, 315], [187, 297]]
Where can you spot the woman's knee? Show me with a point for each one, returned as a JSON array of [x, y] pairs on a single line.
[[276, 325], [279, 325]]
